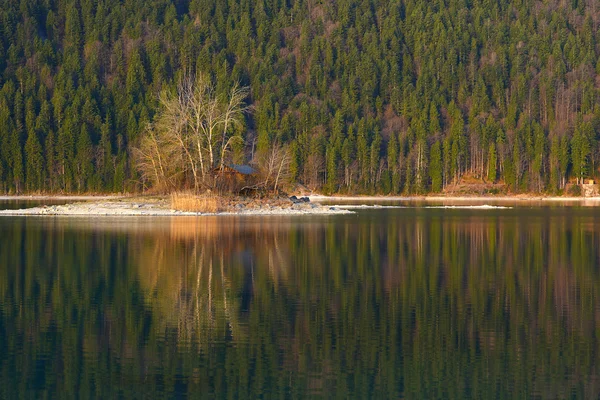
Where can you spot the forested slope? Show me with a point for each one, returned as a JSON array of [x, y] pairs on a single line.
[[370, 95]]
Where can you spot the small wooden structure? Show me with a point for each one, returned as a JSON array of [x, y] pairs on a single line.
[[237, 169], [234, 177]]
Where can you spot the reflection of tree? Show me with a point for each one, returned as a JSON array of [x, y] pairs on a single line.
[[197, 303], [188, 274], [420, 304]]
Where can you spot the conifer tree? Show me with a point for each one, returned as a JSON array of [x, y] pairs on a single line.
[[83, 160], [392, 162], [435, 167], [492, 163], [34, 161], [16, 161], [554, 182]]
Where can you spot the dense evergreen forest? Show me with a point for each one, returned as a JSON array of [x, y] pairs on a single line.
[[400, 96]]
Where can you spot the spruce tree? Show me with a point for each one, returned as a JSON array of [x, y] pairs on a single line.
[[492, 167], [84, 160], [435, 167], [34, 161]]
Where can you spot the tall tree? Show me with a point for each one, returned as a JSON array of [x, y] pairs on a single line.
[[435, 167]]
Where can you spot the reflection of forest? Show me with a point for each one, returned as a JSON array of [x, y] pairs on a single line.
[[415, 305]]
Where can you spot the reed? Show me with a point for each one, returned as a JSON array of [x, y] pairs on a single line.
[[196, 203]]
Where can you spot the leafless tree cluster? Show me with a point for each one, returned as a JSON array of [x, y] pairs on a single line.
[[191, 135], [274, 167]]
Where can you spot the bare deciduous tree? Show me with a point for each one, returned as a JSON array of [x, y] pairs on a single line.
[[157, 158], [195, 123], [274, 166]]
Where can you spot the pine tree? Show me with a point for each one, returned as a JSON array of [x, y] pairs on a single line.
[[435, 167], [120, 173], [554, 182], [434, 119], [348, 154], [83, 160], [5, 143], [333, 158], [65, 152], [34, 161], [136, 78], [580, 150], [447, 161], [16, 161], [51, 162], [375, 161], [105, 162], [492, 163], [538, 159], [563, 160], [362, 153], [458, 142], [392, 162]]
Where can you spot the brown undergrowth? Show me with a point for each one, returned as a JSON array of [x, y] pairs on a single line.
[[212, 203]]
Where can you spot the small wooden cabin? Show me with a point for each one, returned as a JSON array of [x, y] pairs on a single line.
[[236, 169], [234, 177]]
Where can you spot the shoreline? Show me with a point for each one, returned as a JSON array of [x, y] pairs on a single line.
[[158, 206], [136, 207], [437, 198]]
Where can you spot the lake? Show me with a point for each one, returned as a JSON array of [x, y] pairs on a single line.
[[409, 302]]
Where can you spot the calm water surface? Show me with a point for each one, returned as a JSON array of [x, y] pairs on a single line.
[[388, 303]]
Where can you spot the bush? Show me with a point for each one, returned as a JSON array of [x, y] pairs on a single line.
[[574, 190], [493, 191]]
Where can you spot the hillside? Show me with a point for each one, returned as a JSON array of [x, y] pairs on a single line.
[[371, 96]]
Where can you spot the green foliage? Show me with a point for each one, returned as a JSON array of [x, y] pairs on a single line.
[[492, 163], [435, 167], [574, 190], [34, 162], [581, 146], [362, 75], [84, 167]]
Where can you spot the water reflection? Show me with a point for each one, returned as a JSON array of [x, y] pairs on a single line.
[[392, 303]]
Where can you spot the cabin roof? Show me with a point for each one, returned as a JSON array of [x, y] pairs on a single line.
[[242, 169]]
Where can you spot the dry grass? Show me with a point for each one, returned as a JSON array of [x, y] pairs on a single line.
[[196, 203]]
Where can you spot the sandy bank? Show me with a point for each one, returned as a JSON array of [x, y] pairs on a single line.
[[458, 199], [160, 208], [379, 206]]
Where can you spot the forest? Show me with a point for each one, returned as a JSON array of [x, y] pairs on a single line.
[[368, 96]]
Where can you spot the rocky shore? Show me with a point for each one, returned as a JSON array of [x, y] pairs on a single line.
[[161, 207]]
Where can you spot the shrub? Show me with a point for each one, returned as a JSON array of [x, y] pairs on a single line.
[[574, 190]]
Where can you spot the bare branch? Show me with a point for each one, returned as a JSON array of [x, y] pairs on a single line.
[[196, 124]]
